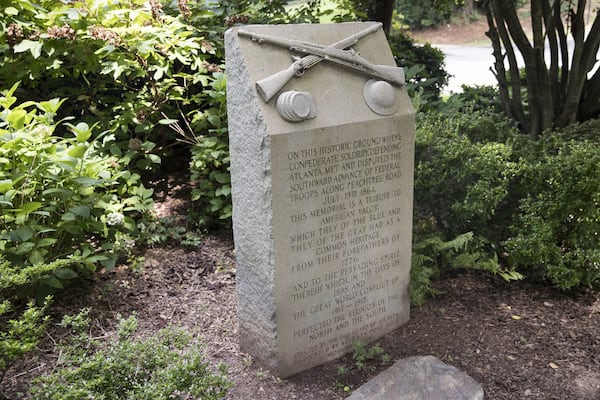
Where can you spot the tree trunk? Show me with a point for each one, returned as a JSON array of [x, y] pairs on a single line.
[[468, 7], [510, 86], [560, 93], [382, 11]]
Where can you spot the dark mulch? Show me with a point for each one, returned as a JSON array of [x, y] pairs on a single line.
[[518, 340]]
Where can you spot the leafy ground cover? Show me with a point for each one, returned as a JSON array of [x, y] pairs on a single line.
[[517, 339]]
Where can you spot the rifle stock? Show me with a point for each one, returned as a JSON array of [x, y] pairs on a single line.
[[268, 87]]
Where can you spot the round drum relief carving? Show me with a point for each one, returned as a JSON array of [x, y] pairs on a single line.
[[296, 106]]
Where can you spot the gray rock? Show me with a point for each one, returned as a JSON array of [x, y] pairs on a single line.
[[420, 378]]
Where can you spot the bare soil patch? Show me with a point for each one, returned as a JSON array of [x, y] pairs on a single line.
[[457, 33]]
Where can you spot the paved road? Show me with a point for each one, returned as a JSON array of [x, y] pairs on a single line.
[[468, 65]]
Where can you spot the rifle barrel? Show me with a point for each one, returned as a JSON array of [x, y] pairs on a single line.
[[312, 60], [316, 53], [346, 42], [309, 60]]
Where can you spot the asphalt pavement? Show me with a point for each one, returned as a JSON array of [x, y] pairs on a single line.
[[471, 65], [468, 65]]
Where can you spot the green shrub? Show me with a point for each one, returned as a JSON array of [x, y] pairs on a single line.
[[425, 13], [475, 98], [209, 165], [167, 365], [61, 197], [364, 354], [535, 205], [122, 65], [424, 68], [64, 206], [463, 172], [556, 233], [19, 334], [133, 66]]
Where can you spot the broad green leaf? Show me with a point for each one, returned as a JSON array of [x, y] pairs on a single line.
[[33, 46], [68, 216], [16, 118], [144, 47], [146, 193], [148, 146], [85, 181], [210, 142], [222, 177], [5, 185], [36, 257], [50, 106], [45, 242], [115, 150], [11, 11], [82, 211], [28, 208], [58, 192], [223, 191], [216, 204], [67, 165], [109, 263], [214, 119], [53, 282], [25, 248], [77, 151], [82, 132], [24, 233], [65, 273], [154, 158]]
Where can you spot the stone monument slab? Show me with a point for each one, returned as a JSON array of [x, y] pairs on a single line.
[[322, 173]]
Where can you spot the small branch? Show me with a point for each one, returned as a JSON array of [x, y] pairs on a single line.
[[39, 367]]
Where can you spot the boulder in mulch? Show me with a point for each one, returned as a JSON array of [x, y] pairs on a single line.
[[420, 378]]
